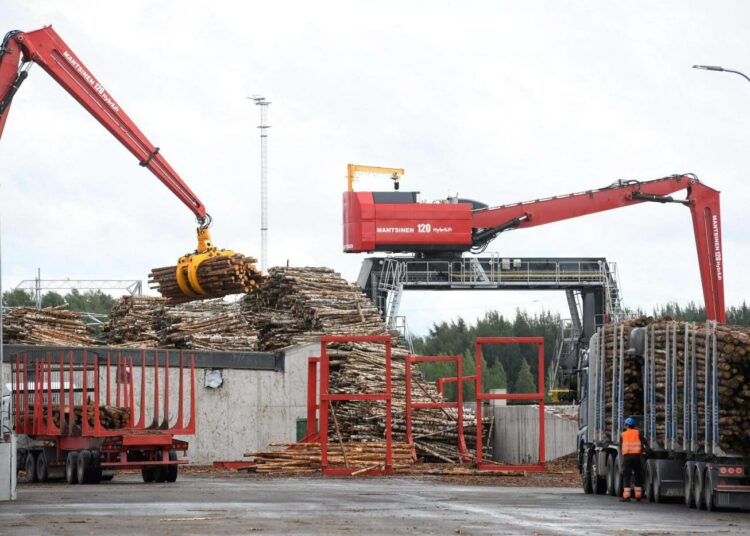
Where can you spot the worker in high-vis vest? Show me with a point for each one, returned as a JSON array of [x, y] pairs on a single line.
[[632, 449]]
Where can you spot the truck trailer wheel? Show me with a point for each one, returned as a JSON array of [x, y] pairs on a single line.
[[84, 467], [586, 472], [708, 492], [688, 485], [148, 474], [96, 466], [698, 488], [29, 469], [172, 469], [598, 483], [611, 475], [648, 480], [42, 469], [618, 476], [656, 485], [71, 467]]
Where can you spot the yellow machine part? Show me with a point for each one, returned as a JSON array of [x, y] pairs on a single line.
[[187, 266]]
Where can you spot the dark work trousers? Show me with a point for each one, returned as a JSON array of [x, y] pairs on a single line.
[[632, 465]]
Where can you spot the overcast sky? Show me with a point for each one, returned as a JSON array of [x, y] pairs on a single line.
[[497, 101]]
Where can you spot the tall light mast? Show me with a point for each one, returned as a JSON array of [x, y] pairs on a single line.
[[263, 103]]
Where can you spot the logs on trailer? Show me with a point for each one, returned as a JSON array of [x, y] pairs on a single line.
[[304, 458], [111, 417], [52, 326], [218, 276], [733, 349]]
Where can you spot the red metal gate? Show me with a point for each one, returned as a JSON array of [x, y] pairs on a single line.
[[538, 396]]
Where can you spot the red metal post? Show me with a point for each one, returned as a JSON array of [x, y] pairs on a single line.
[[142, 419], [540, 384], [25, 392], [312, 397], [118, 379], [108, 400], [181, 393], [165, 423], [155, 424], [323, 406]]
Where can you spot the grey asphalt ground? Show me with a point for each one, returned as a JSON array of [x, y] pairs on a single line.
[[253, 505]]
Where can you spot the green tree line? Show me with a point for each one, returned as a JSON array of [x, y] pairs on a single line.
[[91, 301], [515, 367]]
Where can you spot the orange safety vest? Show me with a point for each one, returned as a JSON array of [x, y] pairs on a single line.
[[631, 441]]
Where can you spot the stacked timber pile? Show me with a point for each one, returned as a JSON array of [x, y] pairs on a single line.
[[134, 322], [111, 417], [52, 326], [304, 458], [297, 305], [733, 349], [218, 276], [213, 325]]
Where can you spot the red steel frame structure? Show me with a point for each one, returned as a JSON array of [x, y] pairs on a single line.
[[538, 396], [458, 404], [326, 397], [313, 403], [450, 379], [34, 403]]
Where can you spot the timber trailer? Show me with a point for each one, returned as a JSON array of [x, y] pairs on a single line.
[[83, 414], [680, 381]]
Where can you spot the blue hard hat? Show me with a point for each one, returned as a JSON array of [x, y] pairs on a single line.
[[630, 421]]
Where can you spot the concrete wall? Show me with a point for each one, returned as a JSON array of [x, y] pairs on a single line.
[[516, 433]]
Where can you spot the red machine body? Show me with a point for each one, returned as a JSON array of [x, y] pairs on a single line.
[[395, 226], [396, 222]]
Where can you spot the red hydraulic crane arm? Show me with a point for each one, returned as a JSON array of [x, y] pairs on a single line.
[[46, 48], [702, 201]]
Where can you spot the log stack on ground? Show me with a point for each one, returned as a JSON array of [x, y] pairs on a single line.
[[298, 305], [298, 459], [134, 322], [214, 325], [218, 276], [51, 326]]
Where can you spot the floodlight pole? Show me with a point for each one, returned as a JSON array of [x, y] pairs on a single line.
[[720, 69]]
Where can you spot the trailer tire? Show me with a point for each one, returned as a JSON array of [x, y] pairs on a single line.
[[29, 468], [172, 469], [598, 484], [160, 474], [71, 467], [586, 472], [688, 485], [708, 492], [618, 476], [96, 466], [85, 466], [42, 468], [148, 474], [656, 485], [698, 488], [611, 475]]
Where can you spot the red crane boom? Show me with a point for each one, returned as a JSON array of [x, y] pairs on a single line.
[[47, 49], [395, 222]]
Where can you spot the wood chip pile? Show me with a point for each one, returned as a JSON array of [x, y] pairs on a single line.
[[218, 276], [297, 459], [52, 326]]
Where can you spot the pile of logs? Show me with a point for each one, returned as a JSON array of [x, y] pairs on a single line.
[[304, 458], [213, 325], [218, 276], [296, 305], [134, 322], [111, 417], [52, 326], [733, 349]]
